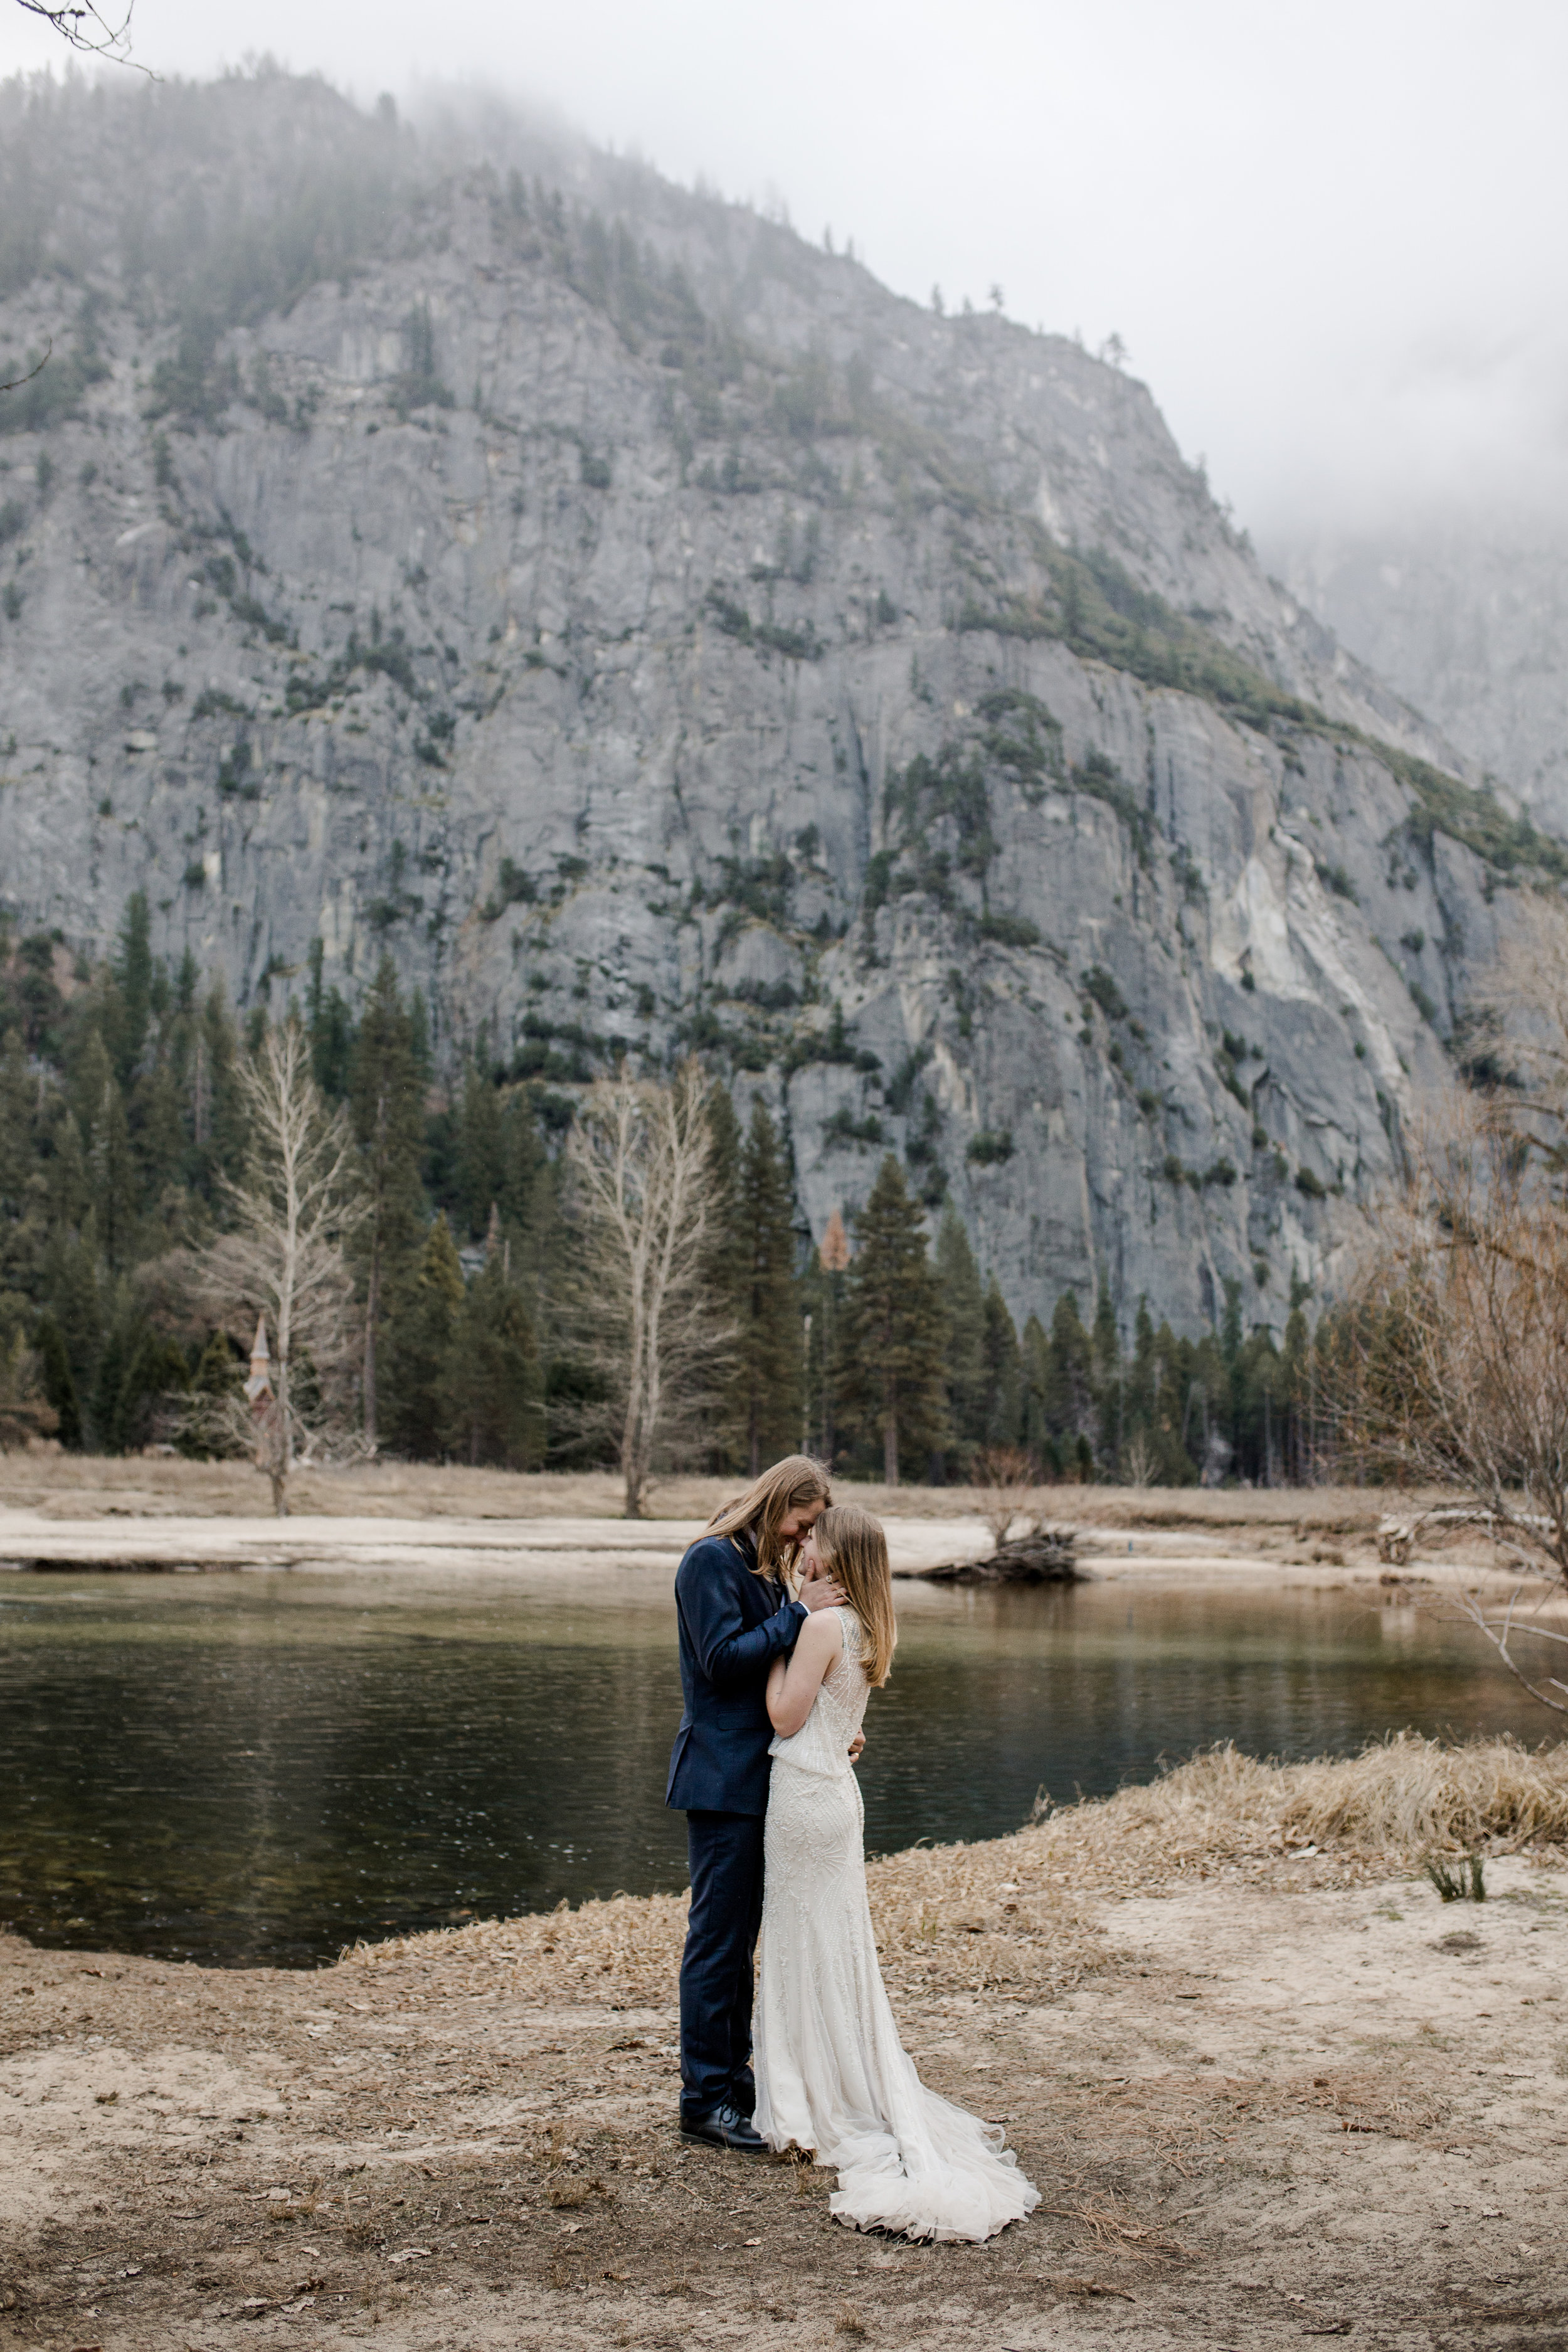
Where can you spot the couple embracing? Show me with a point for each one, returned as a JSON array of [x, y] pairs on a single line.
[[786, 1625]]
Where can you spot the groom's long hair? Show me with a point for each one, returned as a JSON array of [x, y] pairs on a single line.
[[767, 1502]]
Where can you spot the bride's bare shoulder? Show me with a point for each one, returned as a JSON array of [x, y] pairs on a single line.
[[822, 1630]]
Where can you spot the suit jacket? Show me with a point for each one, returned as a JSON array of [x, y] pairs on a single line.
[[734, 1624]]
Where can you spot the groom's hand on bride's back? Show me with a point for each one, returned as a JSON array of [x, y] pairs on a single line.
[[820, 1592]]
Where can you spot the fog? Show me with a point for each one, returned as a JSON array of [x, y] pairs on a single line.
[[1329, 239]]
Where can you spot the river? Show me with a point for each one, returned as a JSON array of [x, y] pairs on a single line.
[[262, 1768]]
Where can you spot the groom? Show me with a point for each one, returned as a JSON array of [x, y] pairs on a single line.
[[736, 1618]]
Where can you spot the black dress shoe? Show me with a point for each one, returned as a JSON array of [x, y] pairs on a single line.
[[743, 2093], [723, 2127]]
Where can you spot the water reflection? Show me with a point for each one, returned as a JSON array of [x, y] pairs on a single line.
[[264, 1768]]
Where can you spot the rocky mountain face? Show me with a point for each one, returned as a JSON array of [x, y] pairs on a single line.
[[1470, 622], [657, 637]]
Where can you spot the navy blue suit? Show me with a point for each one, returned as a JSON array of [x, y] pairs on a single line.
[[734, 1624]]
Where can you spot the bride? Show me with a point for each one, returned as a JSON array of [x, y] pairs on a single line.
[[832, 2074]]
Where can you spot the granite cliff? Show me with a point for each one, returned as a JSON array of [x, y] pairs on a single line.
[[656, 634], [1470, 619]]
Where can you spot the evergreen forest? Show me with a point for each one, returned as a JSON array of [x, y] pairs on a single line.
[[888, 1350]]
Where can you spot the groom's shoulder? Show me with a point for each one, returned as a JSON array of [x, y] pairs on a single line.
[[709, 1558], [711, 1552]]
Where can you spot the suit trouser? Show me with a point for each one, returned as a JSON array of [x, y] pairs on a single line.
[[725, 1851]]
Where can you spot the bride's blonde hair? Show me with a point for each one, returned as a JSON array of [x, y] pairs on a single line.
[[853, 1549], [789, 1486]]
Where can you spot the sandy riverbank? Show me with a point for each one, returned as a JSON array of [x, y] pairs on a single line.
[[82, 1513], [1268, 2092], [599, 1552]]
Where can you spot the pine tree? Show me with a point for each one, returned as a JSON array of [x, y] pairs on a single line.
[[38, 995], [157, 1132], [388, 1113], [533, 1231], [217, 1378], [1002, 1371], [894, 1329], [17, 1096], [422, 1344], [825, 1283], [1040, 1439], [131, 1002], [23, 1183], [525, 1163], [216, 1110], [59, 1387], [64, 1158], [963, 1306], [491, 1408], [113, 1363], [482, 1150], [1110, 1386], [764, 1303], [155, 1375], [111, 1168], [330, 1026], [1068, 1398]]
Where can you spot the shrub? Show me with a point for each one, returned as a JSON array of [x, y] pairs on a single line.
[[845, 1130], [990, 1147], [1098, 984], [1335, 879], [1311, 1187], [513, 887], [1010, 931]]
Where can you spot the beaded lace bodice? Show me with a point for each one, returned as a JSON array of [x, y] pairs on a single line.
[[822, 1743]]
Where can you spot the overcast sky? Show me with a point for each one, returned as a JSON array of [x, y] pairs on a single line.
[[1332, 239]]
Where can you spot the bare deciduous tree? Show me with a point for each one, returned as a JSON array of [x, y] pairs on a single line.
[[1007, 1478], [1448, 1365], [283, 1261], [641, 1163], [1138, 1464]]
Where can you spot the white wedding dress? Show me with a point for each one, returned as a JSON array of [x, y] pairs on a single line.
[[832, 2074]]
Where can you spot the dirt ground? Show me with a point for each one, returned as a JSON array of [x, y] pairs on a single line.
[[1258, 2110]]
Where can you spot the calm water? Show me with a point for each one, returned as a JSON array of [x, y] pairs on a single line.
[[263, 1768]]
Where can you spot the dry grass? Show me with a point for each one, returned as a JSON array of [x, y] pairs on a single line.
[[86, 1485], [1390, 1807], [1014, 1913]]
